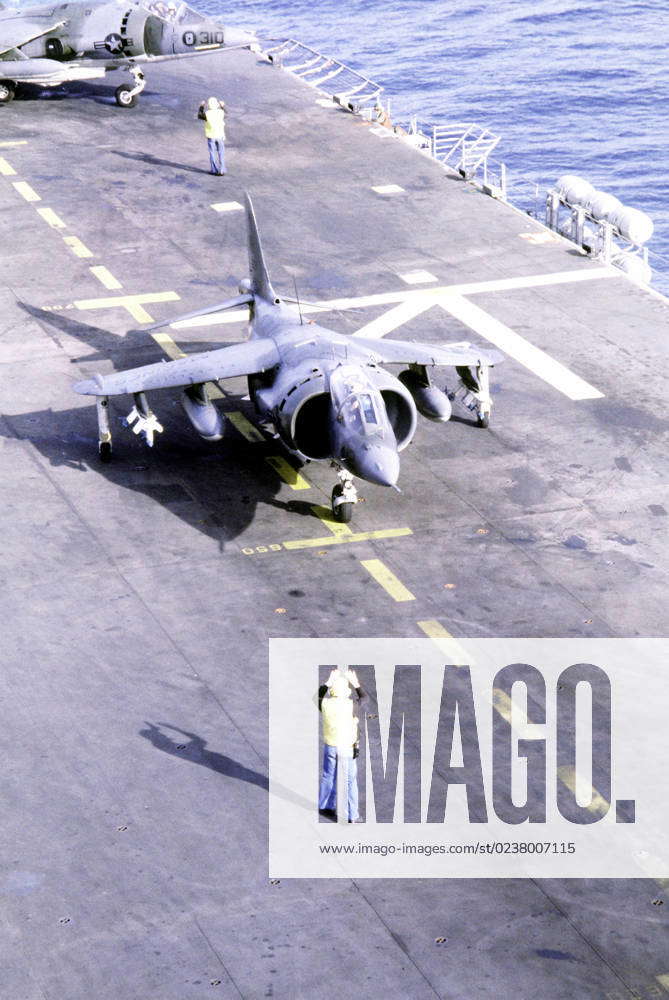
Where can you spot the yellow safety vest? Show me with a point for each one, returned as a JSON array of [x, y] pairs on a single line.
[[340, 727], [214, 125]]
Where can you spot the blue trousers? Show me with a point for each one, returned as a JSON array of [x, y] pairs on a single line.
[[216, 155], [327, 796]]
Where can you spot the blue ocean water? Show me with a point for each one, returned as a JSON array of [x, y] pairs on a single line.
[[570, 87]]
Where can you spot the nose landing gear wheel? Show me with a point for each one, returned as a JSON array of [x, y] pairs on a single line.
[[342, 511], [124, 96]]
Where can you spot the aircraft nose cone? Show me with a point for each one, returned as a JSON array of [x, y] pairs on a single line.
[[379, 465]]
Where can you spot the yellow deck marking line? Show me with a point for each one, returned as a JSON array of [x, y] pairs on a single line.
[[429, 294], [245, 427], [171, 349], [288, 472], [582, 790], [342, 538], [6, 169], [14, 142], [337, 528], [515, 346], [78, 248], [51, 218], [341, 533], [105, 277], [445, 642], [25, 190], [133, 303], [387, 579]]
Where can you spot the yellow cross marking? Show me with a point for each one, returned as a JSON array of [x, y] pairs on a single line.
[[288, 472], [341, 533], [244, 426], [25, 190], [105, 277], [133, 303], [78, 248], [387, 579], [6, 168], [340, 537], [51, 218]]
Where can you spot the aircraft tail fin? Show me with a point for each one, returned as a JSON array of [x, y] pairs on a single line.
[[260, 283]]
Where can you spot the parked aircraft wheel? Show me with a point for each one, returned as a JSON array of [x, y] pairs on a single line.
[[484, 420], [124, 96], [105, 451], [7, 91], [342, 511]]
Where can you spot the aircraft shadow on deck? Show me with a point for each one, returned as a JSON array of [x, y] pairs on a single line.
[[212, 487], [78, 90]]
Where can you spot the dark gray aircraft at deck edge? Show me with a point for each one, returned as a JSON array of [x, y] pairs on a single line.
[[85, 39], [322, 392]]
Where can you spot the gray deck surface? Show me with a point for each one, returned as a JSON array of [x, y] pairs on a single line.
[[138, 598]]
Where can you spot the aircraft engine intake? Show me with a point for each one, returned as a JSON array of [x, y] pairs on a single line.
[[430, 401], [303, 412], [203, 415], [399, 404]]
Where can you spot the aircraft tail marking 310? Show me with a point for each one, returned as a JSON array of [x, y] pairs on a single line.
[[323, 393]]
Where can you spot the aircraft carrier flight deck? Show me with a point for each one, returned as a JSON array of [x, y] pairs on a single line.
[[139, 595]]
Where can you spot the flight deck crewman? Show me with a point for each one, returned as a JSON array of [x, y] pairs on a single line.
[[213, 116], [340, 736]]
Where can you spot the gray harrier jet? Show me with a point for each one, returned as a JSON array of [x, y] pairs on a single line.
[[322, 393], [84, 39]]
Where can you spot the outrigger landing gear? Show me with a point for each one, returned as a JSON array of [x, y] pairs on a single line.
[[143, 420], [104, 430], [474, 392], [127, 94], [344, 496]]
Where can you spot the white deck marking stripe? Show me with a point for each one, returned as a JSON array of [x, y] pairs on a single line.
[[517, 347], [428, 294], [6, 169], [227, 206], [395, 317]]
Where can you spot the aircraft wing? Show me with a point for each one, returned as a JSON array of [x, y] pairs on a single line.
[[22, 31], [238, 359], [409, 353], [48, 72]]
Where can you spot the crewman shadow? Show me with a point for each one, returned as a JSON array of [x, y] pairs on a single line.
[[156, 161], [193, 749]]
